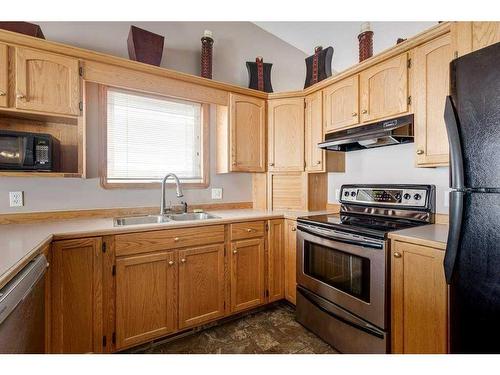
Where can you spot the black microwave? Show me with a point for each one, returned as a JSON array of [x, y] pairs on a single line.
[[23, 151]]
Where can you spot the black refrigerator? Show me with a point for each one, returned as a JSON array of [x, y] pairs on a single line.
[[472, 260]]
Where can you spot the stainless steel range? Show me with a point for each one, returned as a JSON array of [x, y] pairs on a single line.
[[343, 263]]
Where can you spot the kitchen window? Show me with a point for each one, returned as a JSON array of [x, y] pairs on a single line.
[[148, 136]]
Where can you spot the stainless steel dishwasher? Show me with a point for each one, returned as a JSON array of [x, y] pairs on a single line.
[[22, 310]]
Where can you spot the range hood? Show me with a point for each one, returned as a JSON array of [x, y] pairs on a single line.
[[384, 133]]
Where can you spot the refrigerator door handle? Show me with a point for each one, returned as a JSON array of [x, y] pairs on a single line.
[[454, 231], [456, 159]]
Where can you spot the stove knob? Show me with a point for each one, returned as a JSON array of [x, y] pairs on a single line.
[[353, 193], [417, 197], [397, 196], [407, 196], [346, 193]]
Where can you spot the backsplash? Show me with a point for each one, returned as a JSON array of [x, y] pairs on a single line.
[[390, 165]]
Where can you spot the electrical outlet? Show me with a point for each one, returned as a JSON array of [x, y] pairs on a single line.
[[217, 193], [16, 198]]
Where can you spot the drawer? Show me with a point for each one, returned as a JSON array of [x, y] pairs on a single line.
[[249, 229], [144, 242]]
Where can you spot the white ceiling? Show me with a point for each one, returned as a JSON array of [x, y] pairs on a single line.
[[342, 36]]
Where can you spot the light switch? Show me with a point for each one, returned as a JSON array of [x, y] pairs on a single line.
[[217, 193]]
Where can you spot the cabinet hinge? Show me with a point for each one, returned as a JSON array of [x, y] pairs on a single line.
[[409, 63], [455, 54], [80, 71], [113, 271], [103, 247], [80, 106], [267, 293], [267, 227], [113, 338], [409, 100], [104, 341], [305, 104]]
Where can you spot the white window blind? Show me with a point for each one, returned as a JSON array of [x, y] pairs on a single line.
[[148, 137]]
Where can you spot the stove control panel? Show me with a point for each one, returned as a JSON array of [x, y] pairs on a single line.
[[406, 197]]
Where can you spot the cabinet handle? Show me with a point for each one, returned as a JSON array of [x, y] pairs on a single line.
[[397, 255], [249, 230], [354, 114], [294, 229], [271, 164], [235, 251], [364, 111], [183, 260], [3, 93], [176, 239], [318, 162], [20, 96], [420, 152], [234, 163], [170, 262]]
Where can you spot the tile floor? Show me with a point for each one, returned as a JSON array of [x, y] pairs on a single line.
[[273, 331]]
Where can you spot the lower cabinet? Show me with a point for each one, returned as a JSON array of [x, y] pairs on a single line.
[[275, 259], [290, 257], [146, 297], [246, 260], [76, 296], [201, 285], [419, 296]]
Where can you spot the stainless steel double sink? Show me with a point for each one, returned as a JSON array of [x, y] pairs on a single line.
[[158, 219]]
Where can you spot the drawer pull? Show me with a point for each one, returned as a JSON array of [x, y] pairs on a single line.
[[183, 260], [420, 152], [176, 239], [3, 93], [364, 111], [249, 230], [354, 114], [294, 229], [235, 251], [20, 96], [170, 262], [271, 164], [397, 255]]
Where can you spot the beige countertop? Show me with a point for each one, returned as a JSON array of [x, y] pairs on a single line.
[[434, 235], [19, 243]]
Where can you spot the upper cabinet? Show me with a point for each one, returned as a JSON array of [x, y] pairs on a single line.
[[241, 135], [341, 104], [384, 89], [286, 134], [471, 36], [430, 85], [46, 82], [4, 64], [314, 156]]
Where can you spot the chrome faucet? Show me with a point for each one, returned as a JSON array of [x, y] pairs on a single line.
[[179, 192]]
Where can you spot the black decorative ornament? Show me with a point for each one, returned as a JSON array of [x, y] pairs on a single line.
[[259, 74], [319, 65]]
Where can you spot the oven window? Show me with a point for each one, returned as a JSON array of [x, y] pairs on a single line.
[[12, 150], [343, 271]]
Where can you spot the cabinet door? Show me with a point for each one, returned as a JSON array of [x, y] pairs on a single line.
[[4, 72], [286, 134], [341, 101], [47, 82], [146, 290], [314, 156], [275, 259], [290, 260], [485, 34], [247, 134], [76, 310], [431, 81], [201, 284], [288, 191], [419, 299], [247, 274], [384, 89]]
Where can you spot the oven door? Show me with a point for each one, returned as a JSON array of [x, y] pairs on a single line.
[[351, 275]]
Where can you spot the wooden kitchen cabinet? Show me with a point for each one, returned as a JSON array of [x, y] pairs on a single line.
[[4, 75], [419, 299], [246, 260], [146, 297], [341, 104], [46, 82], [384, 89], [430, 85], [275, 259], [76, 294], [290, 260], [471, 36], [314, 156], [286, 134], [241, 135], [201, 285]]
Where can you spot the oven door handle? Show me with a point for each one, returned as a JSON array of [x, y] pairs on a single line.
[[336, 236], [340, 314]]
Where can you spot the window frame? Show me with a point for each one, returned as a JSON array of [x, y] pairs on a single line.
[[103, 144]]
